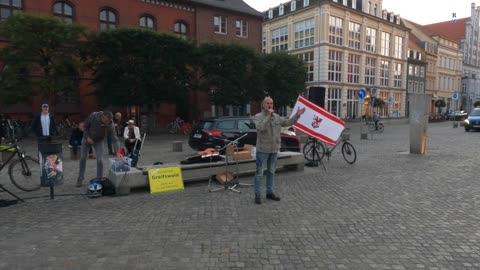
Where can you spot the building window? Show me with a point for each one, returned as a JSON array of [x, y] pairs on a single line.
[[354, 35], [307, 58], [410, 70], [422, 72], [375, 10], [264, 42], [241, 28], [369, 7], [9, 7], [293, 5], [280, 39], [336, 31], [306, 3], [181, 29], [63, 10], [416, 71], [353, 73], [147, 21], [384, 96], [421, 87], [352, 104], [280, 10], [385, 44], [108, 19], [410, 87], [398, 49], [397, 75], [370, 68], [270, 13], [334, 100], [304, 33], [396, 104], [371, 40], [384, 73], [220, 24], [335, 66]]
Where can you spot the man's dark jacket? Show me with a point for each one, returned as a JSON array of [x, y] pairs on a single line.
[[37, 126]]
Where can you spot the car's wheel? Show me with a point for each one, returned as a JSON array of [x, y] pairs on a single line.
[[467, 129]]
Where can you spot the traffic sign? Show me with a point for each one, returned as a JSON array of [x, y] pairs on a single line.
[[389, 100], [455, 96], [362, 93]]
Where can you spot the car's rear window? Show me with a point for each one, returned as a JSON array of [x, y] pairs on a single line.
[[203, 125]]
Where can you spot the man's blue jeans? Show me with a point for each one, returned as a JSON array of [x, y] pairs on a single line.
[[269, 161]]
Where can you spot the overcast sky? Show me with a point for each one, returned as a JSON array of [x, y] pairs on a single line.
[[419, 11]]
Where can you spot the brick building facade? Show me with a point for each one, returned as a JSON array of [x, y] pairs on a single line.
[[192, 19]]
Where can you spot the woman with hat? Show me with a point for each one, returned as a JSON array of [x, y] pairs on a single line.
[[131, 135]]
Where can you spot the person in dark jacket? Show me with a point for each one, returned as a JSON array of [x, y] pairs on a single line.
[[97, 126], [44, 125]]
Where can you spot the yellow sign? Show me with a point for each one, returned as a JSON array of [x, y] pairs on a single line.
[[165, 179]]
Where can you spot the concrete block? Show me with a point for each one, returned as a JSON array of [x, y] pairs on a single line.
[[124, 181]]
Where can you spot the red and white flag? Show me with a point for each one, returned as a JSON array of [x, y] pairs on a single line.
[[318, 122]]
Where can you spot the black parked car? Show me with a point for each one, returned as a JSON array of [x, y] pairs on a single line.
[[212, 132]]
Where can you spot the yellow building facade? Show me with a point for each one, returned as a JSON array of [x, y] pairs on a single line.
[[346, 46]]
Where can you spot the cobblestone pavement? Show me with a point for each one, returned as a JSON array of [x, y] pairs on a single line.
[[390, 210]]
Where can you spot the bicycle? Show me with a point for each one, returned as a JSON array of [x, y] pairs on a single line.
[[379, 128], [179, 126], [24, 171], [315, 150]]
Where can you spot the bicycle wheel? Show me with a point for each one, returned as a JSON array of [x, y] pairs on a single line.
[[380, 127], [25, 173], [313, 150], [349, 153], [371, 127]]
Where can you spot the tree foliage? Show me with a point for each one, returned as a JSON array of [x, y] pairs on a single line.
[[378, 103], [138, 66], [231, 73], [284, 78], [40, 57], [440, 103]]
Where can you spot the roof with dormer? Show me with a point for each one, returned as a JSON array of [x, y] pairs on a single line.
[[235, 5], [454, 31]]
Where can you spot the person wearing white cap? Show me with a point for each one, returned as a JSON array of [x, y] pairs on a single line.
[[44, 125], [131, 135]]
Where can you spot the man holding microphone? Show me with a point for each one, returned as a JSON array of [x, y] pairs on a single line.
[[269, 125]]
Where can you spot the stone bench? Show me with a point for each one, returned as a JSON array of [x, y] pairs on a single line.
[[138, 177]]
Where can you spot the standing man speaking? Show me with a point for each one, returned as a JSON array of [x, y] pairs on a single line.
[[269, 125], [97, 126]]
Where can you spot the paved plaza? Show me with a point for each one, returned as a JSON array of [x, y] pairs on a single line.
[[390, 210]]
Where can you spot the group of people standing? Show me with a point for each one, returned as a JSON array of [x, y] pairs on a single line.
[[89, 135]]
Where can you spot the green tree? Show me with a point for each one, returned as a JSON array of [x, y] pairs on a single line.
[[138, 66], [440, 103], [231, 73], [40, 58], [378, 103], [284, 78]]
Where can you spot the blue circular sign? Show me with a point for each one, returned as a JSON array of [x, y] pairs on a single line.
[[362, 93], [389, 100], [455, 96]]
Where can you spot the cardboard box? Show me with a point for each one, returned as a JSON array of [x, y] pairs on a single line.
[[242, 153]]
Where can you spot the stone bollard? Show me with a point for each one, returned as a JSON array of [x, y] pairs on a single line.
[[177, 146]]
